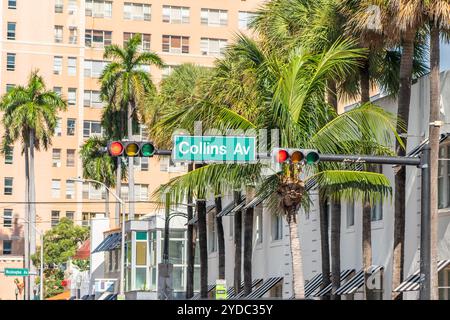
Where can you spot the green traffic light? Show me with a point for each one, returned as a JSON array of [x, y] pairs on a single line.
[[312, 157], [147, 150]]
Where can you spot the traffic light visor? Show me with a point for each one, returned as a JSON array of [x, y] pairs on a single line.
[[147, 150], [132, 149], [116, 149]]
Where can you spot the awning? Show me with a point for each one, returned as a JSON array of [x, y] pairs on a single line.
[[232, 208], [62, 296], [344, 275], [111, 242], [412, 283], [195, 218], [255, 282], [197, 296], [313, 284], [257, 200], [266, 286], [357, 281]]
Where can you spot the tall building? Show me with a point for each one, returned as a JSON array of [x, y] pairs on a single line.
[[65, 40]]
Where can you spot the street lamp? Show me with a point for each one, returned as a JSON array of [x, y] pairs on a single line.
[[122, 246]]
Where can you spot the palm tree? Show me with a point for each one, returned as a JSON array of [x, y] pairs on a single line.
[[125, 84], [30, 115]]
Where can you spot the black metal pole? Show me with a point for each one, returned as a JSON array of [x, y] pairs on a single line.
[[425, 226], [166, 230]]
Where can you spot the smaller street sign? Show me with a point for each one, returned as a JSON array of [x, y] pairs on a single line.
[[16, 272]]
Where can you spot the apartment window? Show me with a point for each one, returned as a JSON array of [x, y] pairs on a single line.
[[93, 191], [245, 18], [11, 33], [71, 127], [92, 99], [444, 177], [58, 91], [136, 11], [12, 4], [9, 155], [57, 65], [56, 188], [212, 236], [350, 214], [58, 127], [8, 186], [167, 70], [277, 227], [259, 224], [58, 34], [7, 218], [99, 8], [70, 215], [212, 47], [55, 218], [70, 160], [9, 87], [59, 6], [86, 218], [10, 61], [72, 66], [93, 68], [56, 158], [72, 96], [145, 38], [175, 44], [91, 128], [140, 192], [144, 164], [214, 17], [377, 208], [7, 247], [70, 189], [98, 38], [72, 7], [174, 14], [73, 35]]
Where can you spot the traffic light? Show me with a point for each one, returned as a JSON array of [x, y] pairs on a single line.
[[131, 149], [284, 155]]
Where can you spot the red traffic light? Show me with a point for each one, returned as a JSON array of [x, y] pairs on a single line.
[[281, 156], [116, 149]]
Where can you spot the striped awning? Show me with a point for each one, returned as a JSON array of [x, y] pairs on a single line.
[[230, 291], [357, 281], [195, 218], [313, 284], [197, 296], [255, 282], [232, 208], [327, 290], [111, 242], [412, 283], [262, 289]]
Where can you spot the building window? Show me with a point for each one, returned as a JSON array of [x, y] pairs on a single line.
[[56, 158], [58, 34], [12, 4], [86, 218], [8, 186], [145, 38], [92, 128], [174, 14], [72, 7], [167, 70], [70, 189], [214, 17], [10, 61], [56, 188], [9, 87], [57, 65], [92, 99], [71, 127], [9, 155], [245, 18], [136, 11], [175, 44], [93, 191], [212, 47], [99, 8], [259, 224], [11, 33], [70, 161], [140, 192], [7, 247], [277, 227], [70, 215], [73, 35], [98, 38], [144, 164], [72, 96], [7, 218], [212, 236], [58, 127], [59, 6], [72, 66], [55, 218], [58, 91], [93, 68], [350, 214], [444, 177]]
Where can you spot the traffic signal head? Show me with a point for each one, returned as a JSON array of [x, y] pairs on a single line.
[[147, 149], [115, 149], [284, 155], [131, 149]]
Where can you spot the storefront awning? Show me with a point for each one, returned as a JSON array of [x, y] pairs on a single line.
[[265, 287], [111, 242], [195, 218], [313, 284], [357, 281], [412, 283], [255, 282], [344, 275], [197, 296], [232, 208]]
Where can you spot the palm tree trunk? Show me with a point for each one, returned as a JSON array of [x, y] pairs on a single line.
[[190, 247], [404, 97], [324, 244], [32, 220], [365, 82], [201, 212], [434, 135], [237, 243], [27, 227], [366, 245], [131, 197], [248, 245], [298, 281], [332, 94], [118, 190], [335, 247], [220, 238]]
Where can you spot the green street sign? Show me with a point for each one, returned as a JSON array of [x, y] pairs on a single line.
[[236, 149], [221, 289], [16, 272]]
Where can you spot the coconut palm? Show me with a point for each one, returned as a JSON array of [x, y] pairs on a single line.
[[125, 84], [30, 116]]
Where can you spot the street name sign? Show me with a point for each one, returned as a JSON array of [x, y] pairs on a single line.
[[235, 149], [16, 272]]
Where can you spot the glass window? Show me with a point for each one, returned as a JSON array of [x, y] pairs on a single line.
[[214, 17], [99, 8], [98, 38], [58, 34], [350, 214], [245, 19], [72, 66], [11, 33], [145, 40], [93, 68], [70, 161], [72, 96], [58, 128], [141, 253], [57, 65], [212, 236], [70, 189], [136, 11], [212, 47], [7, 218], [277, 227], [141, 235], [10, 61], [178, 278], [72, 7], [92, 128], [9, 155], [70, 215], [9, 87], [58, 91], [144, 164], [12, 4], [73, 35], [55, 218], [8, 186], [92, 191], [56, 158], [259, 225], [175, 14], [7, 247], [59, 6], [56, 188], [70, 127], [175, 44], [141, 279]]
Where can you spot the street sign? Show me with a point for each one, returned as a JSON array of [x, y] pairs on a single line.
[[221, 289], [16, 272], [236, 149]]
